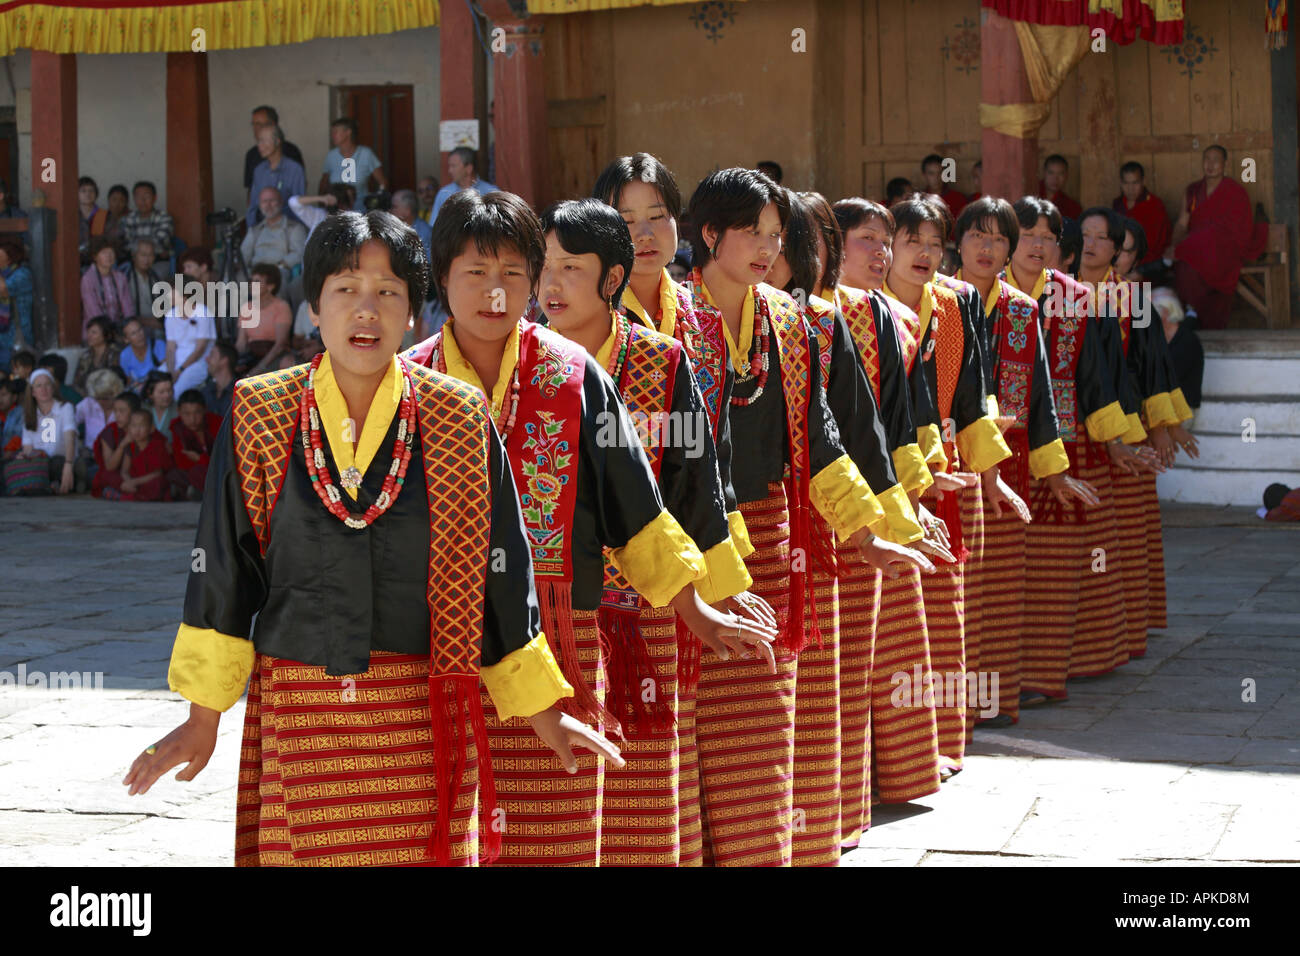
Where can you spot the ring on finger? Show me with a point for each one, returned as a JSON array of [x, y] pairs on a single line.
[[151, 749]]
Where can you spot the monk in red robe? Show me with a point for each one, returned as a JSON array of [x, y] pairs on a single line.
[[1056, 169], [1144, 206], [147, 460], [193, 430], [1213, 237]]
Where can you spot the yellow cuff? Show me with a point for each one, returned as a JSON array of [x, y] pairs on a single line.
[[909, 465], [660, 560], [1181, 408], [739, 534], [902, 526], [725, 573], [526, 681], [1159, 410], [210, 668], [844, 498], [930, 441], [991, 402], [1135, 432], [1049, 459], [1107, 423], [981, 445]]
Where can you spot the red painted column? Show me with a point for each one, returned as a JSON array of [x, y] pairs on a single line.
[[189, 145], [1010, 164], [461, 78], [519, 106], [54, 139]]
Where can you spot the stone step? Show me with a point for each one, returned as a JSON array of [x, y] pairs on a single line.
[[1245, 376], [1220, 486], [1228, 450], [1277, 415]]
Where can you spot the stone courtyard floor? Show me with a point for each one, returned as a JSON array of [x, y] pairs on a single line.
[[1161, 762]]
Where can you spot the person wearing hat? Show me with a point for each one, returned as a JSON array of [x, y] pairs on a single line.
[[50, 432]]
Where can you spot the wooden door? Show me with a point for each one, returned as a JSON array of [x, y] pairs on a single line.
[[385, 117]]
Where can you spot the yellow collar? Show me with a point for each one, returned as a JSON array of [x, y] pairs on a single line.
[[820, 304], [338, 426], [990, 300], [739, 353], [458, 367], [1038, 285], [667, 305], [924, 308]]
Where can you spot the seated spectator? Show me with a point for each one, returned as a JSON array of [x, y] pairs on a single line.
[[94, 411], [897, 190], [365, 164], [772, 170], [1069, 250], [110, 448], [275, 169], [9, 210], [193, 432], [158, 396], [103, 289], [101, 351], [287, 360], [50, 436], [1137, 202], [312, 210], [146, 461], [264, 332], [1281, 503], [15, 297], [141, 355], [1214, 236], [92, 217], [462, 170], [977, 180], [118, 207], [143, 273], [219, 387], [932, 170], [1130, 254], [11, 415], [679, 269], [145, 220], [306, 336], [427, 190], [57, 366], [190, 332], [22, 364], [1184, 345], [277, 239], [266, 117], [404, 209], [1052, 186]]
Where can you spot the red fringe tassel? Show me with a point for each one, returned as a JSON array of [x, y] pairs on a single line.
[[628, 666], [556, 599]]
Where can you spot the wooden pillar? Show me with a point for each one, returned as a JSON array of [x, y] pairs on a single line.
[[1010, 164], [54, 177], [189, 145], [462, 78], [1285, 81], [1098, 129], [519, 106]]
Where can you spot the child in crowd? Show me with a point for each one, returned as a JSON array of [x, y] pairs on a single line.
[[21, 365], [58, 367], [110, 448], [158, 394], [192, 431], [146, 461]]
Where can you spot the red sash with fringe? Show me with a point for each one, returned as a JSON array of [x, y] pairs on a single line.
[[453, 421], [948, 335], [645, 382]]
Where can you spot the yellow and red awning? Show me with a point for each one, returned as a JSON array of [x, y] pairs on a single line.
[[1158, 21], [123, 26]]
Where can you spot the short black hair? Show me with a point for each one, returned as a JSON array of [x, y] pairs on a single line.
[[16, 387], [854, 211], [1114, 223], [270, 274], [1216, 148], [590, 226], [142, 411], [897, 188], [56, 363], [932, 158], [87, 181], [492, 222], [731, 199], [985, 213], [824, 216], [151, 382], [23, 357], [1139, 237], [1056, 158], [228, 352], [201, 255], [98, 244], [466, 156], [911, 214], [119, 188], [191, 396], [145, 184], [131, 398], [800, 246], [349, 123], [344, 193], [639, 167], [1133, 166], [1029, 209], [777, 173], [336, 244], [270, 112], [105, 326], [1071, 243]]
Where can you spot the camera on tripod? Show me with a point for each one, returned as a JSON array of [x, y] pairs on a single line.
[[223, 217]]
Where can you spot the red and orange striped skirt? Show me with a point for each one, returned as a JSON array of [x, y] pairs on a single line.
[[859, 587], [1157, 603], [1131, 522], [815, 821], [1101, 638]]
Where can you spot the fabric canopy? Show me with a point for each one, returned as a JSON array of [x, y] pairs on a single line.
[[582, 6], [1158, 21], [125, 26]]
